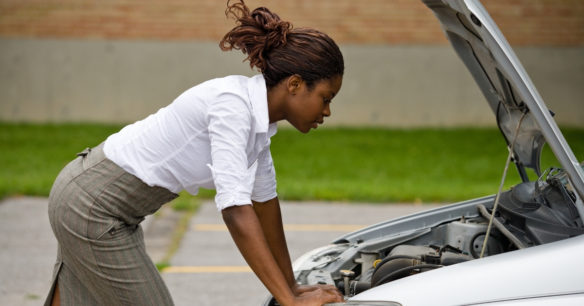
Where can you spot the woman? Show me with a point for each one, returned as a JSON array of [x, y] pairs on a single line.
[[214, 135]]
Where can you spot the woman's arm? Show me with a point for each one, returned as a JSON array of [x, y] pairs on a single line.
[[270, 218], [247, 232], [245, 228]]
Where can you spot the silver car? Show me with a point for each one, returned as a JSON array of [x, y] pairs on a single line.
[[522, 246]]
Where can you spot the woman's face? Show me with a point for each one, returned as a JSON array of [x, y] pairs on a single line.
[[308, 106]]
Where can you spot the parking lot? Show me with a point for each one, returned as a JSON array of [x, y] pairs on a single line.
[[207, 269]]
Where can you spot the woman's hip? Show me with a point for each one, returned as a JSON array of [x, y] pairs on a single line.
[[93, 195]]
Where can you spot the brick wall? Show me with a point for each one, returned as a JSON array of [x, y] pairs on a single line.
[[524, 22]]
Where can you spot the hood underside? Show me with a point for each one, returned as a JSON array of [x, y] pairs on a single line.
[[523, 118]]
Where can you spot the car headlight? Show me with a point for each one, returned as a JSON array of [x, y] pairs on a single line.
[[319, 257]]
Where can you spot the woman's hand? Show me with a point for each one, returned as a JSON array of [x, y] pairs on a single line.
[[299, 289], [318, 295]]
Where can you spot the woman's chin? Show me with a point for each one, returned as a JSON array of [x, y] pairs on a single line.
[[304, 129]]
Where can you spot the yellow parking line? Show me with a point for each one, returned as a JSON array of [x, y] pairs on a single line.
[[289, 227], [207, 269]]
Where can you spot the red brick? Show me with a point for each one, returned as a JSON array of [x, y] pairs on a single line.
[[524, 22]]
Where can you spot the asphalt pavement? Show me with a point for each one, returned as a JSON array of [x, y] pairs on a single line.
[[207, 269]]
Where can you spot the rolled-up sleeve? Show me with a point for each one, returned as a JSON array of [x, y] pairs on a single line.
[[265, 181], [229, 130]]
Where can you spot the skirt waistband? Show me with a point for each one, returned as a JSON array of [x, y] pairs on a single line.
[[116, 190], [96, 156]]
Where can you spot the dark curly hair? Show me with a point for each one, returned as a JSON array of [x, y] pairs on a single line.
[[278, 50]]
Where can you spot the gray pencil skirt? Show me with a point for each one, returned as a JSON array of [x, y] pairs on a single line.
[[95, 210]]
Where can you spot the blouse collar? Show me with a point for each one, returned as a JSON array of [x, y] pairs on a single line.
[[258, 95]]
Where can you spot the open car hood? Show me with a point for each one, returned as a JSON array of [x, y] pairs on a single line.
[[520, 111]]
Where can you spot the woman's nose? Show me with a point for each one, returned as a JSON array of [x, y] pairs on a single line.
[[327, 110]]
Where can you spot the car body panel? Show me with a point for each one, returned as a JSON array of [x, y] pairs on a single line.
[[418, 221], [564, 299]]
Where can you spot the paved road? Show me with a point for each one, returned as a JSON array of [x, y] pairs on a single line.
[[207, 269]]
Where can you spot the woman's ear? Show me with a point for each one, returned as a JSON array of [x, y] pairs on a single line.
[[293, 83]]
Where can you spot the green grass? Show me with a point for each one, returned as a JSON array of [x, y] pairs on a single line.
[[31, 155], [340, 164], [378, 165]]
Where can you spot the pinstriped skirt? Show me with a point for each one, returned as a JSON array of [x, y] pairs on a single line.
[[95, 210]]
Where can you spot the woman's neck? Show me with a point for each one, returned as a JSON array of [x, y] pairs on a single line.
[[276, 102]]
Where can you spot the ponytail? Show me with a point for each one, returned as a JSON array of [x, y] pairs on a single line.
[[277, 50]]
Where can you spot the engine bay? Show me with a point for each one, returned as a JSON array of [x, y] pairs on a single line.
[[529, 214]]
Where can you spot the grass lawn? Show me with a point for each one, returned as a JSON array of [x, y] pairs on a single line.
[[380, 165], [340, 164]]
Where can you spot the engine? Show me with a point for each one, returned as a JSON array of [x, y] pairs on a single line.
[[460, 241]]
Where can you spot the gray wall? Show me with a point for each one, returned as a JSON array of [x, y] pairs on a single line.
[[398, 86]]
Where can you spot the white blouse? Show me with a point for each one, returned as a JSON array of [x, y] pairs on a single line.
[[214, 135]]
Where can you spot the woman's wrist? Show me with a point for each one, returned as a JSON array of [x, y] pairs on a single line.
[[295, 289], [286, 299]]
